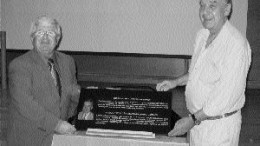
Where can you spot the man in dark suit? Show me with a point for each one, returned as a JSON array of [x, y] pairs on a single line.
[[41, 90]]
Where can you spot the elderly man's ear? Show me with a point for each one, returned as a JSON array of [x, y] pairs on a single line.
[[228, 10]]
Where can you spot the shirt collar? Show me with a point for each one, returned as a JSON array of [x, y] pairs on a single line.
[[221, 36]]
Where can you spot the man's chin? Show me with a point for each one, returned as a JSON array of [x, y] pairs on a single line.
[[46, 53], [208, 24]]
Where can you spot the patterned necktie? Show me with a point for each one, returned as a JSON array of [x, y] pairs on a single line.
[[54, 75]]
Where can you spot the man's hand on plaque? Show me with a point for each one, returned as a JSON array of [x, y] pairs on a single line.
[[182, 126], [166, 85], [64, 127]]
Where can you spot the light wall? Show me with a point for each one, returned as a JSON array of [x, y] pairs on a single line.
[[129, 26]]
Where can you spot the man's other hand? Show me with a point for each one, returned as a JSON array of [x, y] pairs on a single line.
[[64, 127], [182, 126]]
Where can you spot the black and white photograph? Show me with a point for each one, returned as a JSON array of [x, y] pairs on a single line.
[[130, 72]]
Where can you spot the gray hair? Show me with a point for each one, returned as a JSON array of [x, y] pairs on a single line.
[[53, 22]]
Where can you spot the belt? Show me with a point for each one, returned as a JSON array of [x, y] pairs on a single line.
[[222, 116]]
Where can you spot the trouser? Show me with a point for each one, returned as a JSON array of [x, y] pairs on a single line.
[[219, 132]]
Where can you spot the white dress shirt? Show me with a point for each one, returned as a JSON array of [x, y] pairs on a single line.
[[217, 75]]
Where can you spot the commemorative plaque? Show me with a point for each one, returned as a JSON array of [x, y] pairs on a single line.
[[128, 109]]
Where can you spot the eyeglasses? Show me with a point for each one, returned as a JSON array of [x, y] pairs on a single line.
[[49, 33]]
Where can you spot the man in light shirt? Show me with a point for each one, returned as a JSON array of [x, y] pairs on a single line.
[[86, 113], [216, 81]]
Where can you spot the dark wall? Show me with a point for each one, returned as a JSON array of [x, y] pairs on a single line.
[[253, 36], [122, 68]]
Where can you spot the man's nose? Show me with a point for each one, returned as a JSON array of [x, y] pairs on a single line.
[[206, 12], [207, 9], [45, 35], [45, 38]]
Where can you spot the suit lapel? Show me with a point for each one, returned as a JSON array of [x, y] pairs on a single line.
[[59, 66]]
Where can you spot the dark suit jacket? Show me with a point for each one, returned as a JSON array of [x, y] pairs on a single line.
[[36, 106]]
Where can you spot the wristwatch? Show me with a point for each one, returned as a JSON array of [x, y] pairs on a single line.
[[195, 120]]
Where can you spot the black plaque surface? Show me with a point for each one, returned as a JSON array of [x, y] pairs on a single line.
[[139, 110]]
